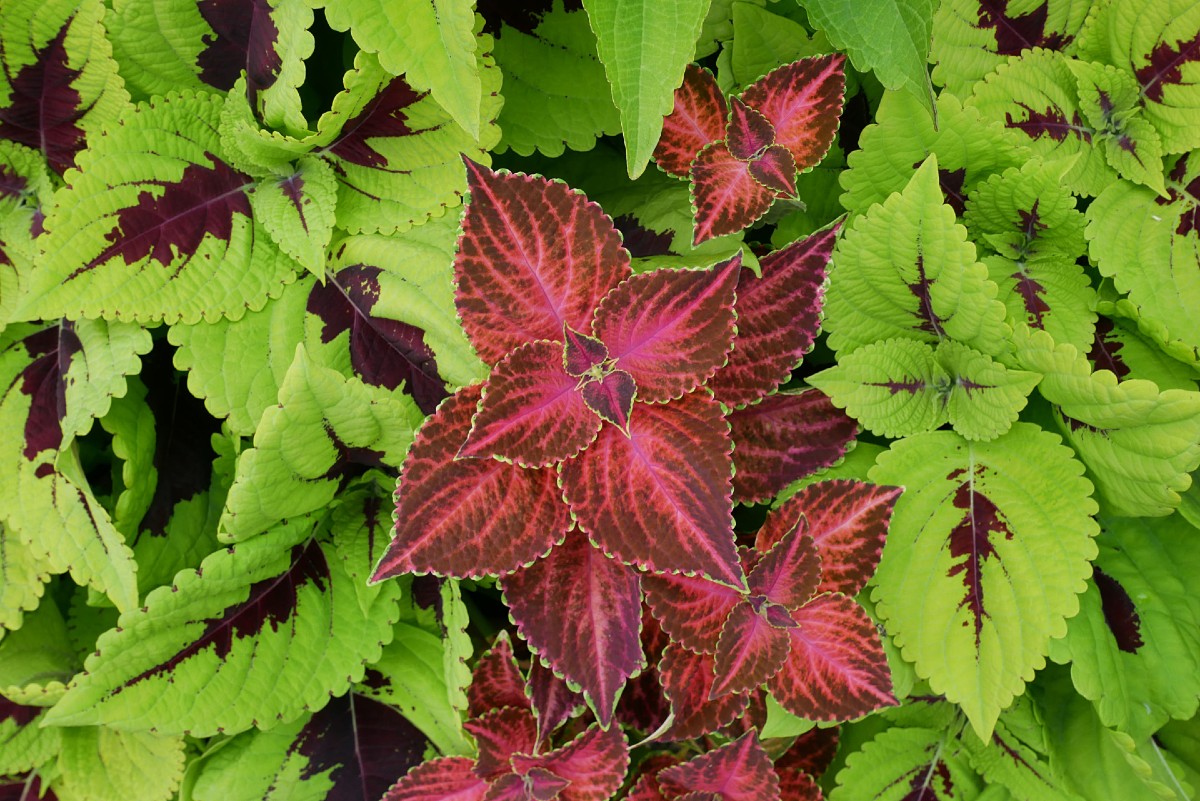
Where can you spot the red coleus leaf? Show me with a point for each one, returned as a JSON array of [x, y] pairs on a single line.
[[697, 120], [500, 734], [836, 669], [739, 771], [496, 681], [748, 132], [803, 102], [795, 785], [581, 353], [811, 753], [784, 438], [445, 779], [670, 329], [511, 515], [554, 703], [532, 412], [646, 788], [790, 569], [643, 705], [779, 317], [659, 498], [687, 679], [690, 610], [534, 256], [749, 651], [595, 764], [848, 521], [727, 198], [611, 397], [581, 611], [776, 170]]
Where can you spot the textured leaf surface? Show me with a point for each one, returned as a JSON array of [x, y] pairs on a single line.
[[500, 734], [22, 576], [697, 120], [908, 763], [99, 763], [738, 771], [750, 651], [748, 133], [983, 561], [297, 211], [726, 195], [595, 764], [687, 680], [690, 610], [803, 103], [1051, 294], [787, 573], [447, 778], [496, 680], [1027, 214]]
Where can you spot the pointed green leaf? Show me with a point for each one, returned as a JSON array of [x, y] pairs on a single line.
[[24, 745], [984, 559], [130, 421], [1007, 761], [908, 763], [984, 397], [1025, 214], [1052, 294], [100, 764], [27, 193], [38, 659], [297, 211]]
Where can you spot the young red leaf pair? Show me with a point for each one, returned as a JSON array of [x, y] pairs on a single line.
[[742, 154]]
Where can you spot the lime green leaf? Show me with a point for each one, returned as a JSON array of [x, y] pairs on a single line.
[[131, 424], [457, 648], [1009, 762], [763, 40], [21, 215], [22, 579], [1052, 294], [887, 37], [1120, 347], [24, 745], [1025, 214], [904, 762], [298, 210], [99, 764], [37, 660], [984, 397], [263, 766], [987, 550]]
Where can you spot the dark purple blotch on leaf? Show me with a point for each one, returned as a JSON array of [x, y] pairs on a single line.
[[518, 15], [22, 715], [44, 381], [951, 182], [641, 241], [927, 317], [26, 787], [896, 387], [1189, 218], [12, 184], [1120, 613], [971, 541], [1031, 292], [382, 117], [931, 784], [1166, 66], [1106, 349], [243, 37], [1017, 33], [1051, 122]]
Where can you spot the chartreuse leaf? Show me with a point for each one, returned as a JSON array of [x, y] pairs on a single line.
[[1009, 761], [59, 83], [888, 37], [38, 659], [906, 269], [984, 396], [27, 191], [1052, 294], [97, 763], [23, 744], [22, 576], [1133, 647], [644, 47], [983, 561], [130, 421], [905, 762], [1121, 348], [1026, 213], [1139, 443], [297, 211], [289, 473], [1110, 102], [763, 40], [272, 623]]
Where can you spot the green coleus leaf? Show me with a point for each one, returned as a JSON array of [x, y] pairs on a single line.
[[984, 559], [1008, 761], [27, 192], [272, 622], [1120, 347], [23, 575], [24, 745], [323, 426], [1051, 294], [97, 763], [905, 762], [1026, 213], [38, 659], [130, 422], [763, 40], [298, 211], [907, 269]]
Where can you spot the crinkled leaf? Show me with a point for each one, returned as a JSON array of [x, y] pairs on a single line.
[[803, 103], [737, 771], [496, 681], [984, 397], [748, 132], [25, 744], [726, 196], [697, 120], [25, 193], [446, 779], [553, 702], [1026, 214], [690, 610], [1119, 347], [912, 763], [750, 651], [1109, 100], [1052, 294], [22, 578], [595, 764], [102, 764], [789, 568], [1009, 762], [297, 211], [499, 734]]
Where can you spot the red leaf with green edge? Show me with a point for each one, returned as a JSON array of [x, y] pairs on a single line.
[[581, 612], [803, 102], [468, 517], [670, 329], [784, 438], [581, 353], [611, 397], [383, 352], [790, 569], [778, 319], [726, 197], [444, 779], [534, 256], [646, 787], [848, 520], [697, 120], [749, 652], [595, 763], [660, 498], [687, 679], [776, 170], [738, 771], [797, 786], [690, 610], [496, 681], [748, 132], [554, 703], [532, 413], [811, 753], [836, 669], [44, 107], [500, 734], [643, 705]]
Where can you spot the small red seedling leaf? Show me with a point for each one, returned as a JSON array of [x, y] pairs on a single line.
[[790, 570], [727, 198], [779, 317], [581, 612], [611, 397], [776, 170], [848, 521], [670, 329], [496, 681], [510, 515], [445, 779], [660, 498], [595, 764], [500, 734], [748, 132], [836, 669], [803, 102], [738, 771], [749, 652], [784, 438], [690, 610], [697, 120], [532, 413], [534, 256], [581, 353], [554, 703], [811, 753], [687, 679]]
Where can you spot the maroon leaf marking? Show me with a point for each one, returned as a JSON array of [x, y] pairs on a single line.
[[811, 753], [927, 319], [778, 318], [554, 703], [738, 771], [18, 713], [44, 108], [496, 682], [1189, 211], [670, 329], [784, 438], [384, 352], [930, 781], [25, 788], [1166, 66], [803, 102], [1017, 33], [697, 120], [749, 652], [12, 184], [500, 734], [350, 460], [524, 17], [468, 517], [971, 541], [690, 610], [44, 380], [384, 116], [687, 679], [532, 412], [727, 198], [1031, 292], [951, 182], [660, 498], [444, 779], [642, 242], [1106, 349], [595, 764], [581, 612], [581, 353], [534, 256], [1052, 122], [611, 397], [1120, 612], [748, 132], [776, 170], [243, 36], [790, 569]]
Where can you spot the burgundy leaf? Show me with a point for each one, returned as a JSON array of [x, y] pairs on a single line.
[[500, 734], [244, 37], [554, 703], [687, 679], [776, 170], [811, 753], [784, 438], [738, 771], [524, 17], [749, 652], [445, 779], [581, 612], [691, 610], [25, 788], [748, 132], [790, 570], [643, 705], [797, 786], [836, 669], [641, 241], [611, 397], [659, 498], [544, 785], [753, 719], [384, 352], [697, 120], [778, 318], [581, 353], [670, 329], [848, 520], [383, 117], [803, 101], [727, 198], [18, 713], [509, 787], [595, 763], [1165, 67], [44, 107], [468, 517], [534, 256], [646, 788], [532, 413], [496, 681]]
